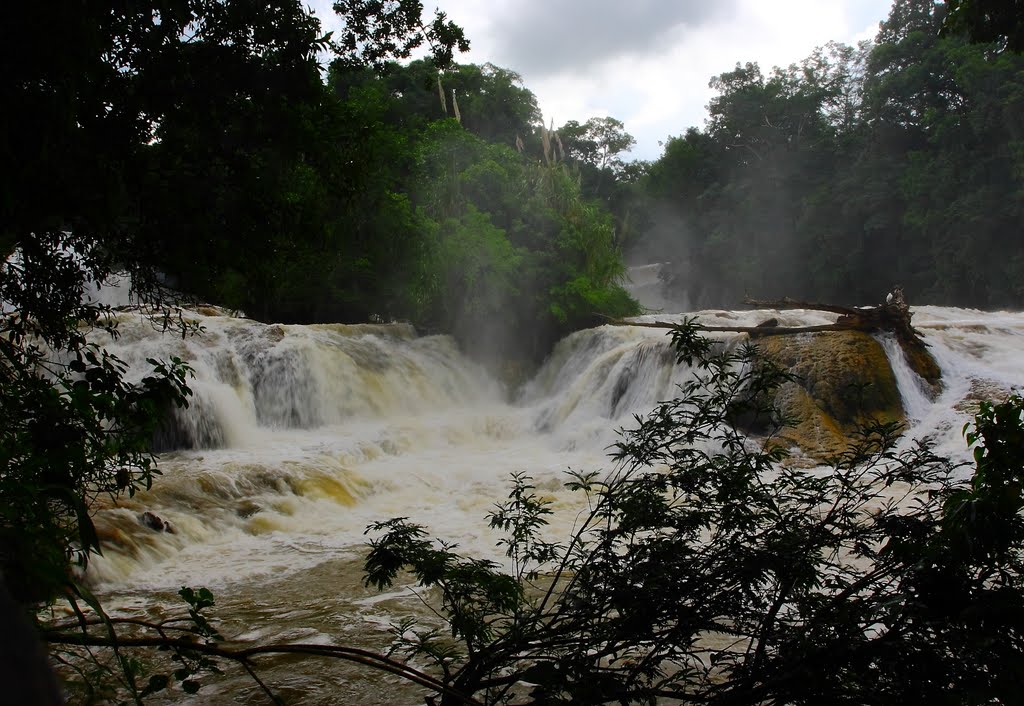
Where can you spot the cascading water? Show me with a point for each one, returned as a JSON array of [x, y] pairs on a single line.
[[298, 437], [644, 284], [913, 389]]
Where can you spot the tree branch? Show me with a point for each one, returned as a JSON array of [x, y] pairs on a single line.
[[759, 330], [243, 655]]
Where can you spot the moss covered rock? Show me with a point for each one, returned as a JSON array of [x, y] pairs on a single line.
[[843, 380]]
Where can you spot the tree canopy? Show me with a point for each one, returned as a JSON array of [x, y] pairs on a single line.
[[897, 161], [988, 21]]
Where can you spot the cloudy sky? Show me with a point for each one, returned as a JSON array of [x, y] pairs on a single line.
[[645, 62]]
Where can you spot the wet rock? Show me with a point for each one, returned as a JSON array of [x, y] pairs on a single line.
[[155, 523], [275, 333], [194, 427], [246, 509], [982, 390], [843, 381]]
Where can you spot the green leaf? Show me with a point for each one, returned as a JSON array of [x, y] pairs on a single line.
[[157, 682]]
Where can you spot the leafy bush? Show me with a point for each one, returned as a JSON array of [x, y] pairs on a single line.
[[511, 246], [72, 427], [709, 571]]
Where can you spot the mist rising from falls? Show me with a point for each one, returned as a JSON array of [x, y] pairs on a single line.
[[645, 284]]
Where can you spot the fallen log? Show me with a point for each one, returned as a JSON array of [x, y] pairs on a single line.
[[892, 316], [756, 330], [787, 303]]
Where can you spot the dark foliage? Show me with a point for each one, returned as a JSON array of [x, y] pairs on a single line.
[[709, 571], [72, 427], [898, 161], [988, 21]]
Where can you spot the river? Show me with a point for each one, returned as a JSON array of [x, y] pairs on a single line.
[[298, 437]]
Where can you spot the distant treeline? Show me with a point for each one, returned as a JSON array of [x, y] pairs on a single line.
[[385, 206], [897, 161], [229, 162], [204, 144]]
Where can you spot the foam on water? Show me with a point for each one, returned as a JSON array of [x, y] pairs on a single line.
[[301, 436]]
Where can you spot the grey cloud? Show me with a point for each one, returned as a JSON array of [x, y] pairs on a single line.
[[543, 37]]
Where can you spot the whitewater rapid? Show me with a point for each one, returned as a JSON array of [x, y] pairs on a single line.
[[298, 437]]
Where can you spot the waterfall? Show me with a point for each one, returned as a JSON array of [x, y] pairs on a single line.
[[251, 377], [913, 389], [298, 437], [644, 284]]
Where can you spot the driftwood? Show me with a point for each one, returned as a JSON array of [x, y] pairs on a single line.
[[757, 330], [893, 316], [787, 303]]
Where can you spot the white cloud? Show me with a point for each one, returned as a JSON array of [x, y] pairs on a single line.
[[556, 36], [648, 66]]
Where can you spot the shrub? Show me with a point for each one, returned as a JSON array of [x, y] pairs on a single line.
[[709, 571]]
